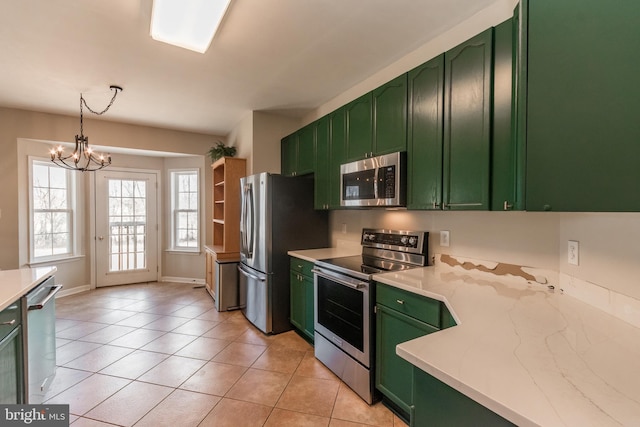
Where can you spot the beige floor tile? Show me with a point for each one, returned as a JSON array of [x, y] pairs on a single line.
[[79, 330], [134, 364], [214, 378], [258, 386], [86, 422], [227, 331], [215, 315], [235, 413], [62, 324], [292, 341], [195, 327], [313, 368], [350, 407], [191, 311], [129, 404], [64, 379], [99, 358], [88, 393], [139, 319], [397, 422], [280, 360], [169, 343], [238, 353], [115, 303], [112, 316], [203, 348], [138, 338], [254, 336], [173, 371], [108, 334], [164, 309], [342, 423], [309, 395], [62, 341], [181, 408], [73, 350], [284, 418], [166, 323]]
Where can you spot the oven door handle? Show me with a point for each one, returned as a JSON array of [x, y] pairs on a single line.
[[355, 284]]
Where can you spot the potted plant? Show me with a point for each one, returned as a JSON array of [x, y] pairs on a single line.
[[220, 150]]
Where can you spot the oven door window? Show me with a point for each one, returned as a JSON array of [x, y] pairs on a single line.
[[340, 310], [359, 185]]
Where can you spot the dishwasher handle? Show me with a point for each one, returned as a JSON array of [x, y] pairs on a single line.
[[52, 293]]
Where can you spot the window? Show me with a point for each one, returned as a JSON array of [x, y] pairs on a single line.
[[52, 211], [185, 228]]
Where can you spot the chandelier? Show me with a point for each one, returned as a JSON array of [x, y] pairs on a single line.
[[83, 158]]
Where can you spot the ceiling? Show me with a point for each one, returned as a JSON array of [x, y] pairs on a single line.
[[282, 56]]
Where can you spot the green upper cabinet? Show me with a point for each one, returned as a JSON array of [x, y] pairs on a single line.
[[425, 127], [467, 118], [297, 152], [322, 169], [582, 104], [289, 152], [306, 146], [337, 153], [359, 127], [376, 123], [390, 117], [507, 158]]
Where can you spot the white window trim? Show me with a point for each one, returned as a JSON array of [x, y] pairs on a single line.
[[172, 215], [72, 193]]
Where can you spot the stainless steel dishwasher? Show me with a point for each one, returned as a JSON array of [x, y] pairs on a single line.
[[40, 308]]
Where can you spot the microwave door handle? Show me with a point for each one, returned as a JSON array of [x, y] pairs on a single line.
[[375, 183]]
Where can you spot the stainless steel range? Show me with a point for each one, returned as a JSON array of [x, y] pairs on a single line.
[[345, 296]]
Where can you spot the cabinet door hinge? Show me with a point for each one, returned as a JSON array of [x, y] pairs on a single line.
[[375, 309]]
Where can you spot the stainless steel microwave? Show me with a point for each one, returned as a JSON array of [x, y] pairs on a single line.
[[376, 181]]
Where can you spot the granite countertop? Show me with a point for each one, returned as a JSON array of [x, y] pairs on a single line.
[[16, 283], [528, 352]]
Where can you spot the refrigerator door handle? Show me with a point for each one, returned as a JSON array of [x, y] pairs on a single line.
[[243, 221], [248, 210], [249, 275]]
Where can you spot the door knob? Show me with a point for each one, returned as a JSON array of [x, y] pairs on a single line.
[[100, 237]]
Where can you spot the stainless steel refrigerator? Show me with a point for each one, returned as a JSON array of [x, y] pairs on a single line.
[[277, 216]]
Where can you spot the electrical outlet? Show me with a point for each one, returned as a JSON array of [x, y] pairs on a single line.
[[343, 228], [573, 252], [444, 238]]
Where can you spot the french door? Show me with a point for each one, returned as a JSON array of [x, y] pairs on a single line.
[[126, 228]]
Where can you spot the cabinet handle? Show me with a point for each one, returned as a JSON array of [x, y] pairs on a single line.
[[507, 206], [10, 323], [436, 205], [399, 301], [299, 265]]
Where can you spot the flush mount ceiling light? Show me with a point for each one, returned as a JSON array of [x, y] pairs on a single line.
[[189, 24], [83, 158]]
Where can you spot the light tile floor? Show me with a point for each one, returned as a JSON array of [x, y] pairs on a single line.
[[159, 354]]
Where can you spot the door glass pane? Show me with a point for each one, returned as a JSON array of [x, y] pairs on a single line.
[[127, 225]]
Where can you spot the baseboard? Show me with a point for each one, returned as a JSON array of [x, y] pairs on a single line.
[[182, 280], [72, 291]]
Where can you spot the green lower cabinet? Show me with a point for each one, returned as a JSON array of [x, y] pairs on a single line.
[[301, 299], [11, 359], [394, 375], [436, 404], [297, 308]]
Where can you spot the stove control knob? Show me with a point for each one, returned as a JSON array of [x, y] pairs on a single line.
[[404, 240], [412, 241], [372, 237]]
